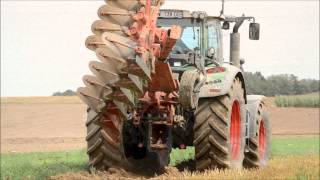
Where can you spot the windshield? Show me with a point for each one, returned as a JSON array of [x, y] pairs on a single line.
[[196, 35], [189, 41]]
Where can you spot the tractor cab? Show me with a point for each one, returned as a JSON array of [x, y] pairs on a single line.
[[200, 43]]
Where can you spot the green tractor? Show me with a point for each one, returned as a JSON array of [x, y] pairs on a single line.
[[228, 128], [162, 83]]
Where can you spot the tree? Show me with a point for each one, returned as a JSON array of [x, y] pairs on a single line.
[[282, 84], [68, 92]]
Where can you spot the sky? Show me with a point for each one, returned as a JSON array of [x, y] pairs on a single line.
[[43, 51]]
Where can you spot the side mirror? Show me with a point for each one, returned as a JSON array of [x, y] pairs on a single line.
[[211, 51], [225, 25], [242, 61], [254, 31]]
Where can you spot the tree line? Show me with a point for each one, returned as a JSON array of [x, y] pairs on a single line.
[[256, 83], [68, 92], [282, 84]]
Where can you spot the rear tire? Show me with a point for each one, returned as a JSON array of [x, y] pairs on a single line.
[[106, 152], [103, 151], [213, 132], [259, 146]]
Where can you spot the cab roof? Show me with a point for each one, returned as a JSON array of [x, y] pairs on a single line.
[[181, 14]]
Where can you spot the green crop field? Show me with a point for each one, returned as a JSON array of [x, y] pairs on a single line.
[[41, 165], [295, 157], [307, 100]]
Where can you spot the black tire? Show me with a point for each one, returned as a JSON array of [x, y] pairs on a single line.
[[189, 80], [212, 130], [254, 158], [103, 151], [106, 152], [144, 158], [182, 132]]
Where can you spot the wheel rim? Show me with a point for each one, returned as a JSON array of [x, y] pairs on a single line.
[[262, 140], [235, 130]]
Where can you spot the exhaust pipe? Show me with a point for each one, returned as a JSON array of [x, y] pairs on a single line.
[[235, 37], [235, 49]]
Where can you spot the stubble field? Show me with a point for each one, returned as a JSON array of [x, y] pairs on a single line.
[[45, 135]]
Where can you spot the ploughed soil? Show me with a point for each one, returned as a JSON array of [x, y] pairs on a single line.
[[58, 123]]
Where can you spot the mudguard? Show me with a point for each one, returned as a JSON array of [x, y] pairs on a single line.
[[219, 81], [253, 102]]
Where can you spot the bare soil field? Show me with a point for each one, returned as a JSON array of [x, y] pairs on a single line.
[[58, 123], [42, 124]]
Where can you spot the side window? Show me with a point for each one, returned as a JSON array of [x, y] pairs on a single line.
[[190, 37], [213, 37]]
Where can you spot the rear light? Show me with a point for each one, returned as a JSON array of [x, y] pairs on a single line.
[[216, 70]]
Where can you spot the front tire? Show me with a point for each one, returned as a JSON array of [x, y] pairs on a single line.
[[259, 147], [219, 130]]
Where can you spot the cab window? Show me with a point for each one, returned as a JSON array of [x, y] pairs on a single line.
[[213, 37]]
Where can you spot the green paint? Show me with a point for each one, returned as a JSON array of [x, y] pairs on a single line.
[[216, 76]]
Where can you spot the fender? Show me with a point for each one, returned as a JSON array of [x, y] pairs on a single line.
[[219, 81], [252, 106]]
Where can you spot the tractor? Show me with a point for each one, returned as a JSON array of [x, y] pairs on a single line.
[[161, 83]]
